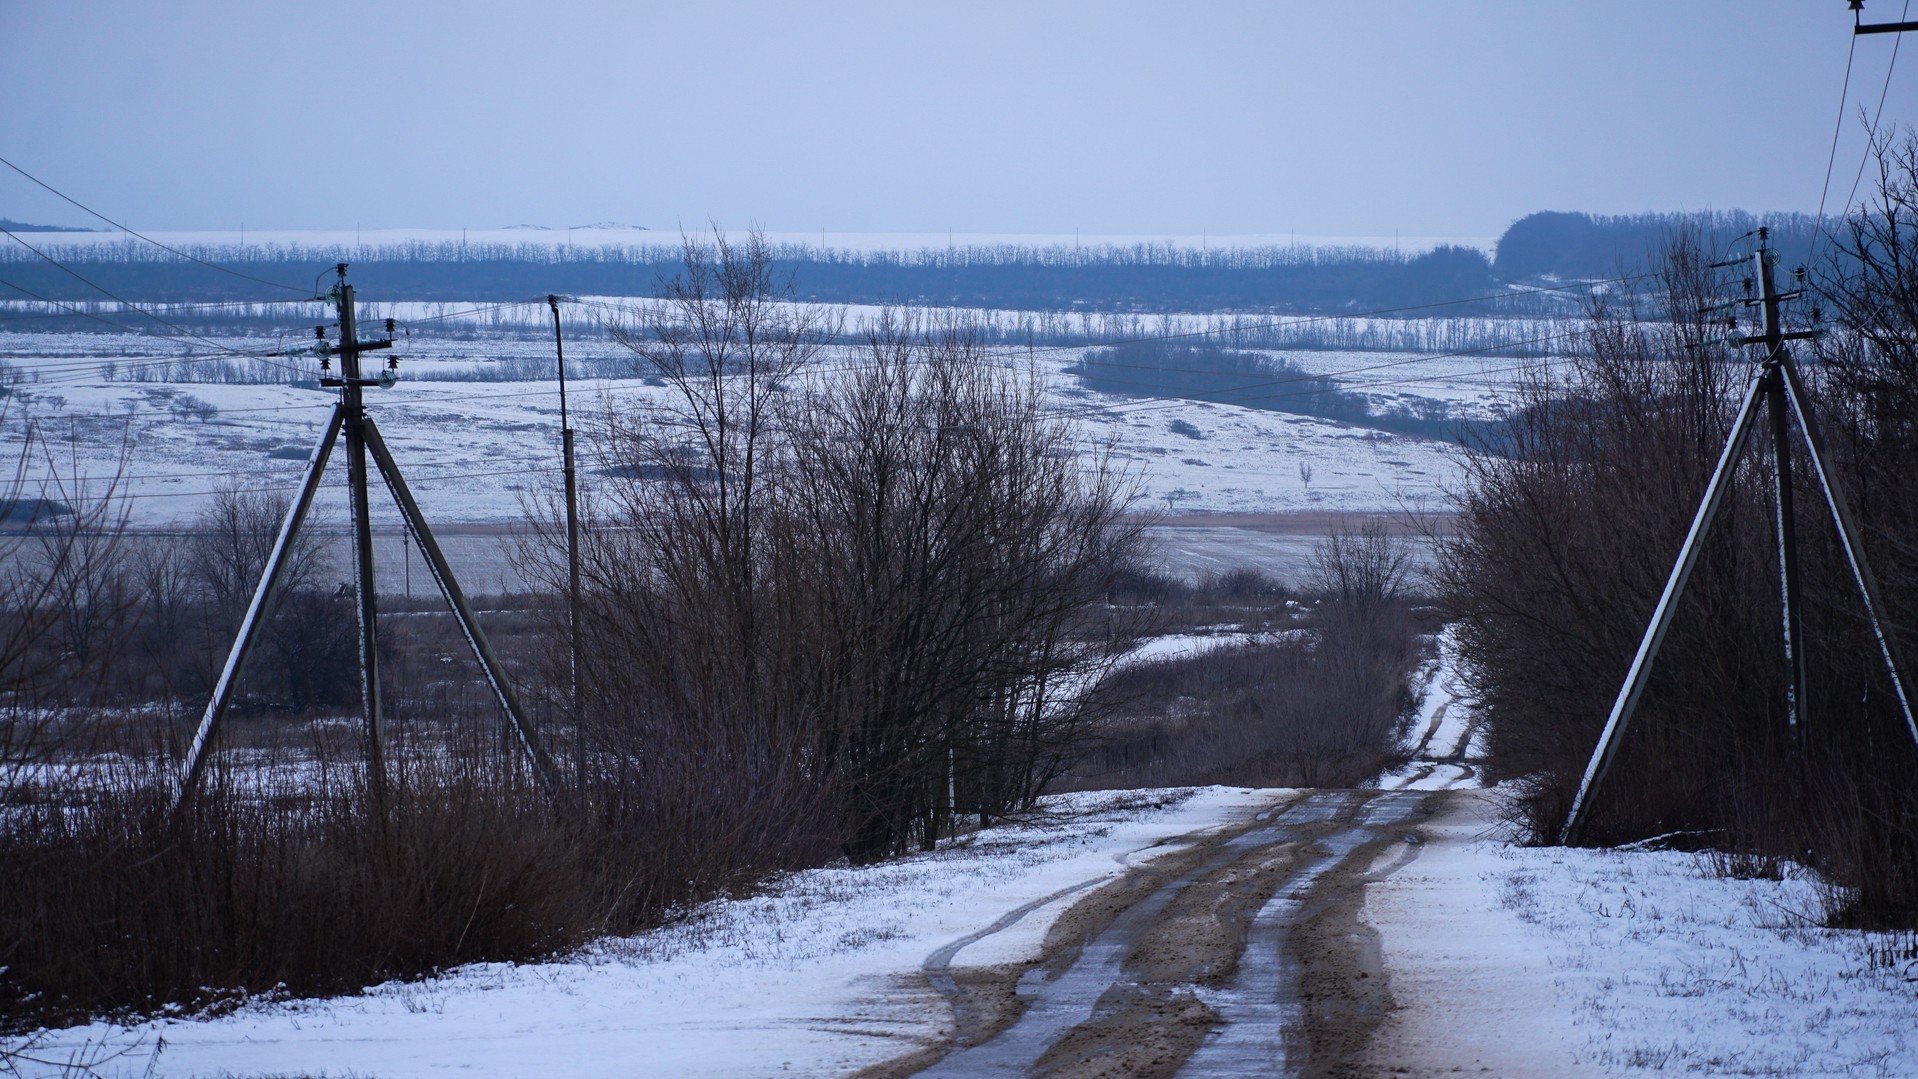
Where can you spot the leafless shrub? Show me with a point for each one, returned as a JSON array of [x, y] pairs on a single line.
[[1322, 705], [63, 605], [849, 598], [1567, 529], [112, 907]]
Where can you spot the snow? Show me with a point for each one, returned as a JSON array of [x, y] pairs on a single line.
[[1502, 960], [817, 976], [1186, 645], [472, 449], [1442, 740], [1549, 961]]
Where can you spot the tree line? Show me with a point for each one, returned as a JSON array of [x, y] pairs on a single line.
[[1205, 371]]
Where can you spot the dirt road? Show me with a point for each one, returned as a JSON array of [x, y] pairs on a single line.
[[1236, 954]]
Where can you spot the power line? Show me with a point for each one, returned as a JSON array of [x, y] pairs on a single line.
[[1871, 130], [149, 239], [131, 306], [1831, 157]]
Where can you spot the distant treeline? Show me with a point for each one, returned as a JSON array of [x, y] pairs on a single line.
[[1207, 372], [22, 226], [1145, 277], [1574, 246]]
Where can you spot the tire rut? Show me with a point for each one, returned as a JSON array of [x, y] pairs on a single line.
[[1193, 964]]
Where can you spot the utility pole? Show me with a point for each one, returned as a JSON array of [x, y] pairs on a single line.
[[1777, 384], [363, 438], [353, 410], [1784, 530], [1859, 27], [572, 537]]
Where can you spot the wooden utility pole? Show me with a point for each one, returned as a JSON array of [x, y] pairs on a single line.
[[1777, 384], [353, 411], [362, 438], [1784, 521]]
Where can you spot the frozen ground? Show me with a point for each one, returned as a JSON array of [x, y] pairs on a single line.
[[819, 976], [1497, 960], [1500, 960], [1513, 961], [1443, 741]]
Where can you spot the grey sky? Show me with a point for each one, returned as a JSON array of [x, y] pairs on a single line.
[[1324, 118]]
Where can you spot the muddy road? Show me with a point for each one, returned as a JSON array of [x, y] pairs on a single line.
[[1236, 953]]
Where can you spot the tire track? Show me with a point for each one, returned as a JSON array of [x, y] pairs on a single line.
[[1183, 966], [1262, 1020]]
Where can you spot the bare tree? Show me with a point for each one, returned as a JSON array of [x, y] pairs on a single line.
[[836, 600], [303, 656], [1567, 528], [1365, 565], [956, 533], [62, 602]]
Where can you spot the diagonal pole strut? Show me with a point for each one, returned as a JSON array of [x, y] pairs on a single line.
[[1641, 669], [255, 611], [456, 599]]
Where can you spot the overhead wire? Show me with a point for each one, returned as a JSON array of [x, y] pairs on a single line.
[[181, 330], [1871, 129], [164, 247], [1831, 157]]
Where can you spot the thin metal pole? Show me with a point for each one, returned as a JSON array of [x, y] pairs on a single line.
[[456, 599], [572, 544], [1848, 532], [368, 606], [249, 625], [1641, 668]]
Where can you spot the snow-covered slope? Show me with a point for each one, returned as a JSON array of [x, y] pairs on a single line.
[[472, 449]]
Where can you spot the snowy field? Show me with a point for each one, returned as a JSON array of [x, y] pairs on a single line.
[[474, 451], [1548, 961]]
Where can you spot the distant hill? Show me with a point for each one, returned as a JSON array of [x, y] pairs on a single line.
[[1576, 245], [21, 226]]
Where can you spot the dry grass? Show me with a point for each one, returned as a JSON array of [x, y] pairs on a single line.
[[1324, 707]]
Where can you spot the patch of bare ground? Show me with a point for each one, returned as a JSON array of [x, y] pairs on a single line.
[[986, 1002], [1342, 984]]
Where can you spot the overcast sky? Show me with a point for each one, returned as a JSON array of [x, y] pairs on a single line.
[[1334, 117]]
